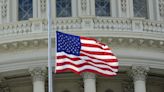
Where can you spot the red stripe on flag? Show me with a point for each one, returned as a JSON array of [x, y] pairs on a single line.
[[86, 70], [97, 53], [105, 60], [94, 46], [81, 65], [94, 57]]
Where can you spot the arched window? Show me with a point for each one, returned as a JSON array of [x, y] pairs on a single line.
[[102, 7], [25, 9], [63, 8], [140, 8], [108, 90]]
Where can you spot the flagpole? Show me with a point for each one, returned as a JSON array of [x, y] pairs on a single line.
[[50, 86]]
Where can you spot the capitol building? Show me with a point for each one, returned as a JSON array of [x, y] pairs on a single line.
[[133, 29]]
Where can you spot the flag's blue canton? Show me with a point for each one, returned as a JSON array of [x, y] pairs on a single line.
[[69, 44]]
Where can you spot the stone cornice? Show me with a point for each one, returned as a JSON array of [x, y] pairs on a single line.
[[114, 41]]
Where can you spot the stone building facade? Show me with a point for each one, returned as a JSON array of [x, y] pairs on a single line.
[[134, 29]]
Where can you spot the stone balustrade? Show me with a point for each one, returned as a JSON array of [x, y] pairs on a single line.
[[152, 26], [115, 24], [81, 23]]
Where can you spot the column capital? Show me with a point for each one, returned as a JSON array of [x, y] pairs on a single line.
[[88, 75], [139, 72], [38, 73]]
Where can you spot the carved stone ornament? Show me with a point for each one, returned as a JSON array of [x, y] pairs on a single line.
[[38, 73], [139, 72], [3, 8], [43, 5], [123, 5], [83, 5], [161, 7]]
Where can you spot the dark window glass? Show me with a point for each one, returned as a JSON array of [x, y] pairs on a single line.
[[102, 7], [25, 9], [140, 8], [63, 8]]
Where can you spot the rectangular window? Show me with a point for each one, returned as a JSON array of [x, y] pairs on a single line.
[[102, 7], [63, 8], [140, 8], [25, 9]]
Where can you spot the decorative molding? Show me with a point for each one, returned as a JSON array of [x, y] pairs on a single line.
[[84, 5], [120, 40], [161, 7], [45, 41], [123, 5], [116, 41], [139, 72], [80, 24], [3, 8], [25, 43], [141, 41], [5, 46], [36, 43], [15, 44], [43, 5], [151, 42], [161, 43], [38, 73]]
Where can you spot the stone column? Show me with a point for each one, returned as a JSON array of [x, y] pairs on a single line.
[[89, 82], [53, 10], [74, 8], [14, 10], [150, 9], [156, 10], [113, 8], [92, 7], [35, 8], [38, 75], [138, 73]]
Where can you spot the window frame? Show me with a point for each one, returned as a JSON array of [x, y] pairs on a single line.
[[70, 9], [18, 12], [110, 10], [147, 10]]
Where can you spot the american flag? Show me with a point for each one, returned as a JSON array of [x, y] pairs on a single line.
[[82, 54]]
